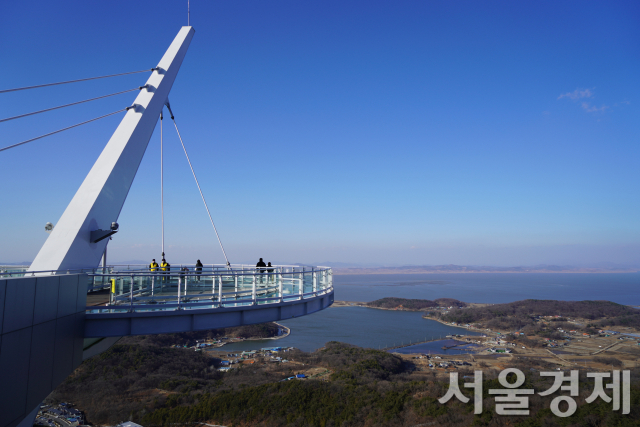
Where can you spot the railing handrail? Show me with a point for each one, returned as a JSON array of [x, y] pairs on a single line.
[[196, 274], [221, 265], [222, 269], [53, 272]]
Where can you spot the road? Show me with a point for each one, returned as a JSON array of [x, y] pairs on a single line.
[[58, 421]]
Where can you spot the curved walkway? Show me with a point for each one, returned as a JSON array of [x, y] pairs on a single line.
[[160, 322]]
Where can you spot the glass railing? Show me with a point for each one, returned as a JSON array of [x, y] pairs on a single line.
[[142, 290], [12, 269]]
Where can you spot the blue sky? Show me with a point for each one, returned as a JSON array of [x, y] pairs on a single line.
[[362, 132]]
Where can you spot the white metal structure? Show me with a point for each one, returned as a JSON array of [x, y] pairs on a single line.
[[100, 198]]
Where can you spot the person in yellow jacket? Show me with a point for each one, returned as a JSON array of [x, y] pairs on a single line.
[[165, 267], [153, 266]]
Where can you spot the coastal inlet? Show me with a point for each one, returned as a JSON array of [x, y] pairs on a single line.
[[361, 326]]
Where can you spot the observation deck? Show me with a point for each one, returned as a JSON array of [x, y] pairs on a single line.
[[132, 300]]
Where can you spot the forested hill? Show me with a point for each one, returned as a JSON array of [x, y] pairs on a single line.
[[262, 330], [522, 313], [414, 304], [158, 387]]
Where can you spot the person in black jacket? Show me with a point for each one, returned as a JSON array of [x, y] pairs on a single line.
[[270, 270], [261, 270], [198, 270]]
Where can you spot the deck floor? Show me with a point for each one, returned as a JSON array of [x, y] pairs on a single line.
[[98, 298]]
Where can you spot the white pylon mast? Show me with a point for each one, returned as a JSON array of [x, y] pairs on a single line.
[[100, 198]]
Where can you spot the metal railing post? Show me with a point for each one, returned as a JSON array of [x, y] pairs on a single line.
[[235, 277], [280, 280], [131, 295], [179, 286], [253, 293], [301, 286], [220, 291], [315, 284]]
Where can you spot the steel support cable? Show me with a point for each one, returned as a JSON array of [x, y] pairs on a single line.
[[161, 184], [61, 130], [200, 190], [75, 81], [69, 105]]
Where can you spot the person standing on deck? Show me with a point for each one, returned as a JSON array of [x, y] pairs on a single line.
[[165, 267], [198, 270], [261, 270], [270, 270], [153, 266]]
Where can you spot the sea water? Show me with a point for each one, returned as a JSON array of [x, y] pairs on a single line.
[[623, 288], [364, 327]]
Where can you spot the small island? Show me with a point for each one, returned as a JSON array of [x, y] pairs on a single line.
[[393, 303]]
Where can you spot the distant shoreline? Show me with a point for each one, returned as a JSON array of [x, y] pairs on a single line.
[[341, 303], [374, 271], [286, 329]]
